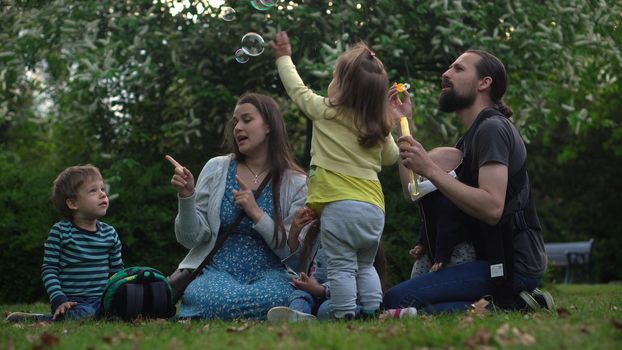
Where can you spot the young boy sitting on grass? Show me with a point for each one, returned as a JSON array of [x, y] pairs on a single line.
[[80, 252]]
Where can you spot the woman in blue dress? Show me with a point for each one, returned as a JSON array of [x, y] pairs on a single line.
[[246, 276]]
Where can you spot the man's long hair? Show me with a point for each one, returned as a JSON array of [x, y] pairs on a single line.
[[491, 66]]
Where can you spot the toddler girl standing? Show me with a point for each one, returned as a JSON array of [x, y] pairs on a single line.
[[351, 141]]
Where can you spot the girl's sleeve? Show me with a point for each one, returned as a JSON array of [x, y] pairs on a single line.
[[312, 104], [390, 151]]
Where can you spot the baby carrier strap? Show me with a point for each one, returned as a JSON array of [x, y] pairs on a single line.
[[500, 240]]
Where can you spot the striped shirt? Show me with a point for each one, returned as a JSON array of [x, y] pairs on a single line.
[[78, 262]]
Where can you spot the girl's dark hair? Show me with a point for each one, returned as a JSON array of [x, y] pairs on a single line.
[[491, 66], [279, 151], [66, 186], [362, 86], [308, 243]]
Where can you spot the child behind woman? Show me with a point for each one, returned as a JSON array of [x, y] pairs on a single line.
[[351, 142], [312, 294]]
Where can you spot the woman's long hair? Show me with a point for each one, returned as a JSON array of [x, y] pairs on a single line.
[[362, 85], [279, 151]]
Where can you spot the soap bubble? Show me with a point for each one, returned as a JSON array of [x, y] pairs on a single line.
[[252, 44], [227, 14], [259, 5], [268, 3], [241, 56]]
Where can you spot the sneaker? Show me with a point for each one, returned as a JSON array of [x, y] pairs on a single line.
[[285, 314], [544, 299], [399, 313], [27, 317], [368, 314], [531, 303]]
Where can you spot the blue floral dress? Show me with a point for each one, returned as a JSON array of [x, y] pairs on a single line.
[[245, 279]]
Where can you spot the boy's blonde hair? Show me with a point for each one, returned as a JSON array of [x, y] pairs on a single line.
[[362, 86], [67, 184]]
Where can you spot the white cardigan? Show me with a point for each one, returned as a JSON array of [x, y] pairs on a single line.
[[198, 220]]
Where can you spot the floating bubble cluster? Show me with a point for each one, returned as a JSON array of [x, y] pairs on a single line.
[[241, 56], [252, 44], [227, 14], [263, 5]]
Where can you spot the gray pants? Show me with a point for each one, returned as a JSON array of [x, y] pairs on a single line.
[[351, 232]]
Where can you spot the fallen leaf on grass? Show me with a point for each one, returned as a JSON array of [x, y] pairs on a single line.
[[241, 328], [524, 338], [188, 328], [480, 307], [45, 341], [536, 316], [617, 324], [283, 331], [174, 344], [204, 328], [139, 320], [466, 321], [392, 332], [120, 336], [480, 340], [563, 312], [49, 340], [507, 336], [353, 328]]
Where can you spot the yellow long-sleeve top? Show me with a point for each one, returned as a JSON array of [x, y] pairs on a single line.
[[341, 167]]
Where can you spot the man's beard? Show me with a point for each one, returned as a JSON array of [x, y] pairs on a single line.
[[450, 101]]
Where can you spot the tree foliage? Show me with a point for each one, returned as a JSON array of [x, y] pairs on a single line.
[[121, 83]]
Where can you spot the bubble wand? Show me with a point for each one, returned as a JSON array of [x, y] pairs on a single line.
[[412, 186]]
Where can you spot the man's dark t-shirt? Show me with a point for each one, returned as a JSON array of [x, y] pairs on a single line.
[[496, 140]]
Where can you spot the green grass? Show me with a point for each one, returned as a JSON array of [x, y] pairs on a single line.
[[588, 317]]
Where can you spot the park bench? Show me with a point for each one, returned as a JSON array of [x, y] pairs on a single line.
[[572, 256]]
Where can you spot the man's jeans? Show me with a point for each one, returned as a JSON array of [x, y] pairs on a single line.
[[451, 289]]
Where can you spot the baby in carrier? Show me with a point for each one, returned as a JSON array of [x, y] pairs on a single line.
[[443, 236]]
